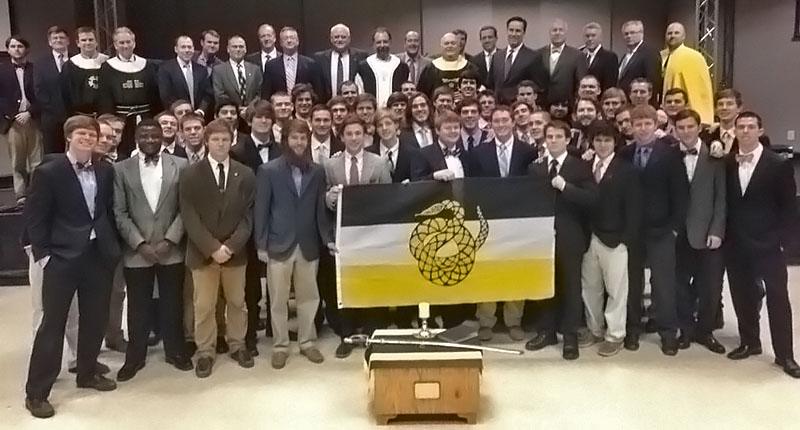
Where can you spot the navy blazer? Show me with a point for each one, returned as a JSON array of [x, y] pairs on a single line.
[[11, 96], [308, 72], [645, 63], [172, 85], [47, 86], [485, 164]]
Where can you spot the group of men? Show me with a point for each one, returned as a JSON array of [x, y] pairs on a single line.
[[239, 177]]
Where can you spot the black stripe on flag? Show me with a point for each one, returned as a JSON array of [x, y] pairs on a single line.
[[498, 198]]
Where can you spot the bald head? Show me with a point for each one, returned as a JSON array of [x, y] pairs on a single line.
[[450, 46], [558, 32], [266, 37], [675, 35]]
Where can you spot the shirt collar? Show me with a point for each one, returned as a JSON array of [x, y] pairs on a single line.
[[392, 148], [184, 63], [756, 152], [560, 49], [508, 143], [315, 143], [489, 54], [606, 161], [695, 146], [359, 156], [235, 64], [129, 60], [170, 148], [214, 163], [74, 161], [201, 152], [272, 54], [560, 158], [594, 51], [635, 48], [416, 127], [64, 56], [293, 56], [142, 157]]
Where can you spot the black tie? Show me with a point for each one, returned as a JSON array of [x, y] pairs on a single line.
[[221, 177], [690, 151], [261, 146], [470, 142], [339, 73], [553, 172]]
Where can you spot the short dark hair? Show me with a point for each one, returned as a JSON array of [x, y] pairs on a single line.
[[530, 84], [613, 92], [749, 114], [486, 93], [80, 121], [642, 81], [687, 113], [503, 108], [601, 128], [560, 125], [681, 91], [597, 107], [488, 27], [223, 104], [210, 32], [519, 103], [319, 108], [217, 126], [367, 97], [19, 39], [644, 112], [460, 32], [164, 113], [191, 116], [381, 30], [396, 97], [56, 30], [110, 117], [295, 126], [520, 19], [352, 118], [441, 91], [148, 122], [336, 100], [177, 103], [303, 88], [467, 101], [85, 29], [469, 74], [260, 108], [729, 93]]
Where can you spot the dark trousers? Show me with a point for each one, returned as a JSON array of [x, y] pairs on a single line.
[[565, 310], [699, 273], [659, 252], [140, 282], [453, 315], [91, 278], [329, 303], [253, 294], [745, 269], [52, 133]]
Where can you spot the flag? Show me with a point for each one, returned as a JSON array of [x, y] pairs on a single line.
[[467, 241]]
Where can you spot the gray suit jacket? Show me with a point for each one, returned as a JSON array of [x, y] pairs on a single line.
[[423, 62], [376, 170], [226, 83], [136, 222], [707, 205]]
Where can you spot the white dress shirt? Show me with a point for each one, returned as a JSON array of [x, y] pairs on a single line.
[[60, 59], [453, 163], [215, 169], [555, 54], [290, 68], [359, 165], [689, 160], [514, 52], [188, 76], [592, 54], [266, 56], [597, 160], [746, 169], [560, 160], [24, 103], [385, 152], [476, 138], [424, 134], [345, 69], [151, 175], [487, 58], [262, 152], [320, 151]]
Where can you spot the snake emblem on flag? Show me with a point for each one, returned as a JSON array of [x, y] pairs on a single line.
[[443, 223]]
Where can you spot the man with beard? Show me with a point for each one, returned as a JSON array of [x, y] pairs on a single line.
[[446, 69], [586, 112], [80, 75], [687, 69], [303, 99], [291, 221], [382, 73]]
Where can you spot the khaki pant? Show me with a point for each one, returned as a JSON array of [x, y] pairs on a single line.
[[25, 148], [188, 308], [207, 281], [512, 313], [605, 271], [303, 274]]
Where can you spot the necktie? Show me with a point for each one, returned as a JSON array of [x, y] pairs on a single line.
[[509, 62], [266, 60], [598, 171], [242, 82], [221, 177], [390, 156], [553, 172], [60, 62], [194, 157], [339, 74], [727, 139], [748, 158], [502, 161], [412, 70], [470, 142], [187, 74], [423, 138], [624, 64], [291, 73], [641, 156], [353, 171], [589, 58], [690, 151]]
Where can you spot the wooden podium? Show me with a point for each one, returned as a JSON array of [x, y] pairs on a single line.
[[423, 382]]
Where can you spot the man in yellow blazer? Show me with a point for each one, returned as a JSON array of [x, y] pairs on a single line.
[[686, 68]]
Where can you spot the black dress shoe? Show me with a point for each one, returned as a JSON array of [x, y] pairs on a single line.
[[243, 357], [204, 365], [99, 368], [39, 408], [684, 342], [118, 345], [191, 348], [631, 342], [541, 340], [99, 383], [261, 325], [180, 362], [252, 348], [669, 346], [343, 350], [744, 351], [222, 345], [790, 367], [710, 342], [571, 350], [128, 371], [153, 339]]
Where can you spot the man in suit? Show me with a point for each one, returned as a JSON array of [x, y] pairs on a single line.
[[560, 67], [401, 155], [514, 64], [216, 203], [664, 183], [699, 260], [615, 221], [488, 37], [640, 60], [687, 69], [721, 137], [601, 63], [209, 47], [324, 144], [266, 39], [183, 79], [47, 86], [500, 158], [236, 81], [375, 69], [291, 222], [169, 134], [281, 74], [471, 134], [146, 210], [575, 192], [761, 213], [73, 238], [339, 63], [413, 57], [18, 111]]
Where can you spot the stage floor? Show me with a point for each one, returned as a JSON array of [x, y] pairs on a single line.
[[645, 389]]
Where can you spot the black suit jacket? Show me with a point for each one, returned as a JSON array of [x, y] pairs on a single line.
[[323, 58], [59, 222], [524, 67], [255, 58], [308, 72], [407, 135], [484, 159], [605, 68], [710, 136], [762, 219], [47, 86], [664, 185], [245, 152], [480, 60], [399, 76], [432, 159], [172, 85], [562, 84], [409, 164], [645, 63], [617, 214], [178, 151], [11, 96]]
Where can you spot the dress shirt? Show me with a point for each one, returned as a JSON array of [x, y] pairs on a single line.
[[169, 149], [727, 136], [476, 138], [560, 160], [390, 150], [453, 163], [266, 56], [597, 160], [423, 133], [193, 156], [555, 54], [215, 170], [345, 69], [24, 103], [359, 165], [188, 76], [320, 151], [689, 160], [487, 58], [88, 183], [514, 52], [290, 68], [746, 169], [506, 147], [151, 175], [263, 152], [276, 132], [60, 58], [592, 54], [297, 178]]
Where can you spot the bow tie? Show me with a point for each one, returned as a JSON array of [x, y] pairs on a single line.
[[748, 158], [87, 166], [690, 151], [455, 151], [19, 66], [151, 159], [261, 146]]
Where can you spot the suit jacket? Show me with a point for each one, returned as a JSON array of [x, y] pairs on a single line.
[[480, 60], [408, 135], [323, 58], [617, 214], [484, 159], [375, 170], [137, 223], [423, 63], [59, 221], [433, 161], [177, 151], [706, 205], [367, 75], [561, 85], [762, 219], [245, 152], [172, 85], [715, 133], [226, 83], [408, 164], [571, 205], [645, 63], [604, 67], [255, 58], [286, 218], [524, 67], [308, 72], [47, 87], [11, 96], [486, 136], [664, 185], [336, 145], [213, 218]]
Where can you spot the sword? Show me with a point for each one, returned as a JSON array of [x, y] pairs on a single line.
[[362, 339]]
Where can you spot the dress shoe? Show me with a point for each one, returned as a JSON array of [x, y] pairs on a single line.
[[570, 350], [39, 408], [541, 340], [180, 362], [631, 342], [669, 346], [191, 348], [128, 371], [516, 333], [117, 345], [153, 339], [203, 368], [684, 341], [278, 360], [790, 367], [485, 334], [99, 368], [252, 348], [313, 355], [243, 357], [261, 325], [222, 345], [586, 338], [710, 342], [744, 351], [99, 383], [609, 349], [343, 350]]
